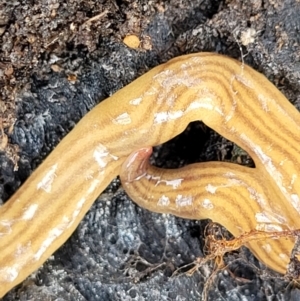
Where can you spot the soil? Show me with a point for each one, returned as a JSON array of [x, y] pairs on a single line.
[[58, 59]]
